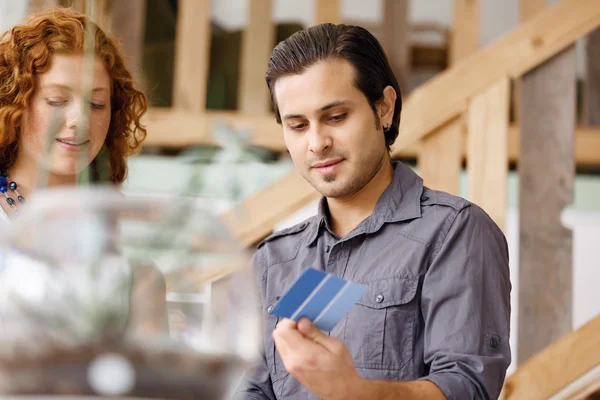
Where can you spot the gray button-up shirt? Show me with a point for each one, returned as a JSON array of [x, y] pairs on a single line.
[[437, 304]]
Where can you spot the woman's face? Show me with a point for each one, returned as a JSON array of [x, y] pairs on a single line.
[[59, 104]]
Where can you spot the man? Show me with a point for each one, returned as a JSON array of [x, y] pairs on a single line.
[[434, 321]]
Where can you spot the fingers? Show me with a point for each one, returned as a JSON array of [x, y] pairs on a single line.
[[309, 330], [287, 337], [297, 351]]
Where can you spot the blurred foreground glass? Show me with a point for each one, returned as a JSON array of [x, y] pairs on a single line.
[[83, 302]]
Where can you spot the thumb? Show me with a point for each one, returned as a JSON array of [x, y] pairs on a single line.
[[309, 330]]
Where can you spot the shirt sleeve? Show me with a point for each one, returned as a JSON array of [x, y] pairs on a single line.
[[256, 383], [466, 309]]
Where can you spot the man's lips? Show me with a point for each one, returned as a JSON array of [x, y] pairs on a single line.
[[327, 163], [328, 166]]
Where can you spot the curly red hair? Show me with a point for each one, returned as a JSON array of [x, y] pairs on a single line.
[[25, 52]]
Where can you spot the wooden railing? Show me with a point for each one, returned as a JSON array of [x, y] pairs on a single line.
[[471, 96], [567, 369]]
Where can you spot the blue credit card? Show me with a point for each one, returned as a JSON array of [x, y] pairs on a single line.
[[321, 297]]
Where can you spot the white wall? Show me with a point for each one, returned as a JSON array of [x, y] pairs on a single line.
[[11, 13]]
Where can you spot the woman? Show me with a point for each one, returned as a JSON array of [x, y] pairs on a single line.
[[52, 132]]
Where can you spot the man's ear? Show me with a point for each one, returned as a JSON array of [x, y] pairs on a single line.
[[386, 106]]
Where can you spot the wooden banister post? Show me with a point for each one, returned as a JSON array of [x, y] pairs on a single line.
[[257, 43], [328, 11], [192, 52], [547, 172], [440, 157], [591, 106], [466, 29], [396, 41], [441, 154], [527, 9], [128, 22], [487, 150]]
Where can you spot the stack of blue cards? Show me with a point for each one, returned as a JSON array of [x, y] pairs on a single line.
[[321, 297]]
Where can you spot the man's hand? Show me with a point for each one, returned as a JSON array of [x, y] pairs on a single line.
[[323, 364]]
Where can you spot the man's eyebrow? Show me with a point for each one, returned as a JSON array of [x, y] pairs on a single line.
[[320, 110]]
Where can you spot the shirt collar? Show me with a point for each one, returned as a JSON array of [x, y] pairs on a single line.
[[401, 201]]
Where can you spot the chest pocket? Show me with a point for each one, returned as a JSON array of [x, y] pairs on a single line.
[[380, 329]]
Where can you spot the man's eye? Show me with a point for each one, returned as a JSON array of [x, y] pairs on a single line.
[[297, 127], [338, 117]]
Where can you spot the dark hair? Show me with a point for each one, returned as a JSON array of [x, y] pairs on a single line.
[[352, 43]]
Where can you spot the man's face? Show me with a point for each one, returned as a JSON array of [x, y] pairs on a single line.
[[329, 128]]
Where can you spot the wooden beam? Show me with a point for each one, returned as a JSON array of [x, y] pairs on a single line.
[[547, 174], [556, 366], [396, 39], [328, 11], [466, 29], [447, 95], [192, 50], [487, 151], [257, 44], [197, 129], [587, 146], [591, 104], [440, 158], [586, 387]]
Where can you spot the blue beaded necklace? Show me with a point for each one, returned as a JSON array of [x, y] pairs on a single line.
[[5, 184]]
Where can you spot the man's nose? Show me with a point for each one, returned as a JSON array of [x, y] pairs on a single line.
[[319, 140]]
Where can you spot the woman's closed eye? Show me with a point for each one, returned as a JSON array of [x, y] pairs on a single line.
[[97, 106], [56, 101]]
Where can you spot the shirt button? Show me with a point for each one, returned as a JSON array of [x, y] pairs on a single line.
[[379, 298], [327, 249], [494, 343], [269, 309]]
